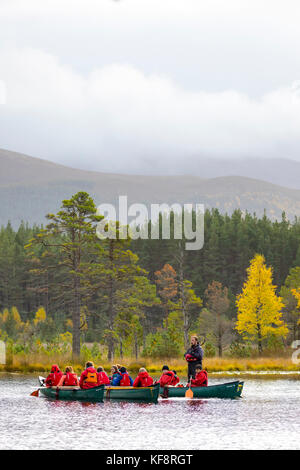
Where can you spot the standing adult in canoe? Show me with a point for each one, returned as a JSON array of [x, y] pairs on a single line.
[[143, 379], [168, 377], [194, 356], [201, 378], [88, 378], [69, 379], [102, 376], [123, 379], [54, 377]]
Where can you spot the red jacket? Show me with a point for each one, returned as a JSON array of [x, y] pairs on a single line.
[[143, 380], [54, 376], [70, 380], [103, 378], [125, 380], [200, 380], [167, 378], [190, 358], [88, 378], [175, 380]]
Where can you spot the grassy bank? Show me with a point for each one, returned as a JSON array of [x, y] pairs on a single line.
[[212, 365]]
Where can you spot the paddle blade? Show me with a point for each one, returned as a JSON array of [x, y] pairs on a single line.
[[35, 393], [189, 393]]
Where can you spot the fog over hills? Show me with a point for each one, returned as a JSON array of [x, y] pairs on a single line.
[[282, 172], [31, 187]]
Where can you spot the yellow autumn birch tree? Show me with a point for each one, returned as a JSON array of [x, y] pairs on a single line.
[[296, 294], [259, 308]]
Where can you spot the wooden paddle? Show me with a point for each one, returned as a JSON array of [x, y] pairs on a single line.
[[189, 393], [42, 383]]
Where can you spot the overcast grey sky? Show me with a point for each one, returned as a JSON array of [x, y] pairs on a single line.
[[146, 85]]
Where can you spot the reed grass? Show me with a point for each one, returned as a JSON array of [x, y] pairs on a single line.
[[42, 363]]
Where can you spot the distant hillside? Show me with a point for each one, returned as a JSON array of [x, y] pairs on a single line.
[[279, 171], [31, 187]]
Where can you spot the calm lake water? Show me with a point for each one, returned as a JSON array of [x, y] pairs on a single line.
[[267, 417]]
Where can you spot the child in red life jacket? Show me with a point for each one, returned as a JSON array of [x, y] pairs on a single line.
[[201, 378], [88, 378], [54, 377], [123, 379], [167, 377], [143, 379], [102, 376], [69, 379]]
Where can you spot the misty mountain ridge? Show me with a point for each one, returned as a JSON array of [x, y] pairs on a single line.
[[32, 187]]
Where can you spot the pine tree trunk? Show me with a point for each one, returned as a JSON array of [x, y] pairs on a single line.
[[136, 347], [220, 347], [182, 296], [110, 354], [144, 337], [111, 346], [76, 321]]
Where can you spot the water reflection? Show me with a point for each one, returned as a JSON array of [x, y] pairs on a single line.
[[195, 404], [266, 418]]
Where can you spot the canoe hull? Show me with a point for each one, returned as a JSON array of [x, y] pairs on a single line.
[[95, 394], [227, 390], [147, 394]]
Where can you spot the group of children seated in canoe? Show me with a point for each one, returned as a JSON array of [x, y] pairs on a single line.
[[91, 377]]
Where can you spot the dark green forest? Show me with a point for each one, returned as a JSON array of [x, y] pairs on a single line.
[[130, 294]]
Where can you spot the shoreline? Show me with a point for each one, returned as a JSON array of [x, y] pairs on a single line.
[[267, 367], [249, 375]]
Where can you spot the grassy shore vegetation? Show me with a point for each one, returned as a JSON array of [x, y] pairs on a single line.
[[215, 366], [66, 296]]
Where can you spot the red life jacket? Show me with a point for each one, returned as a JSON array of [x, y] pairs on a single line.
[[102, 378], [200, 380], [125, 380], [54, 377], [143, 380], [89, 378], [70, 379], [175, 380], [167, 378], [190, 358]]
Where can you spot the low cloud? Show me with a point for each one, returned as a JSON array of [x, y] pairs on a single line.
[[118, 118], [2, 92]]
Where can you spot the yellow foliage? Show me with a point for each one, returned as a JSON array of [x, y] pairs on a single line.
[[40, 316], [69, 324], [16, 315], [296, 294], [83, 319], [259, 308], [66, 337], [5, 315]]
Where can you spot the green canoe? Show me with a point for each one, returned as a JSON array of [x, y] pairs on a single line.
[[148, 394], [72, 393], [227, 390]]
